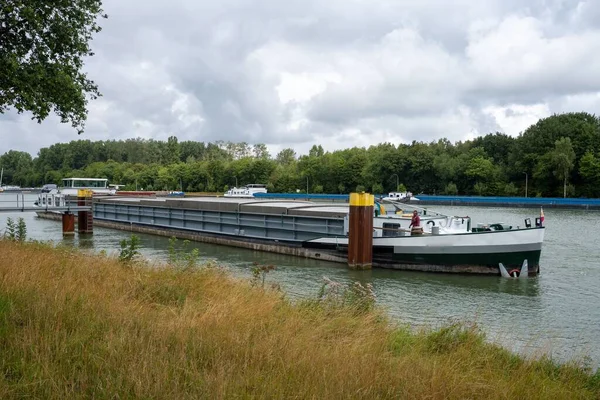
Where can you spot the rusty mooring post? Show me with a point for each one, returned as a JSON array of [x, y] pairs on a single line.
[[68, 223], [85, 219], [360, 231]]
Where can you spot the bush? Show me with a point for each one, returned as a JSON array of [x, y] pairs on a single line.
[[182, 257], [480, 188], [510, 189], [129, 249], [16, 231], [451, 189], [259, 273], [377, 188]]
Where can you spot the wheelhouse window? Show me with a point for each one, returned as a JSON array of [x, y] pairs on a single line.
[[391, 230], [85, 183]]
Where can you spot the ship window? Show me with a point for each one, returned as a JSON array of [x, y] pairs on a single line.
[[391, 230]]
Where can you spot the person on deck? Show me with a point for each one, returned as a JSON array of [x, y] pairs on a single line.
[[415, 224]]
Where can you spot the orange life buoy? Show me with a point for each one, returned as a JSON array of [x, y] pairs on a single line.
[[518, 272]]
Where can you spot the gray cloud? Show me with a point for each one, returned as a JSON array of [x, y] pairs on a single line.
[[339, 73]]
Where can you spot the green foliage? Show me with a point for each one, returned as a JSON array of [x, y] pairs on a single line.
[[16, 231], [480, 168], [286, 156], [480, 188], [511, 190], [493, 164], [589, 170], [563, 160], [129, 249], [42, 50], [498, 146], [451, 189], [182, 256]]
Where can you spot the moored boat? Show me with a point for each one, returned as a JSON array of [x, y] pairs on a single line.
[[320, 230], [246, 191], [53, 195], [400, 196]]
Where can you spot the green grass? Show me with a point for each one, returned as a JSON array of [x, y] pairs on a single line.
[[80, 326]]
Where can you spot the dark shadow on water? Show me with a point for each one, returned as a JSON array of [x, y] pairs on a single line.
[[86, 241], [519, 287], [491, 284]]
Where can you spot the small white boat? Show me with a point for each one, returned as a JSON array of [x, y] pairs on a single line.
[[400, 196], [246, 191]]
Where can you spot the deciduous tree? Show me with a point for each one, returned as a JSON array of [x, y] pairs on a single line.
[[43, 45]]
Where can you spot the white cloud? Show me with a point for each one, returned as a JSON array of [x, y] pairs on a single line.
[[338, 73], [518, 59], [516, 118]]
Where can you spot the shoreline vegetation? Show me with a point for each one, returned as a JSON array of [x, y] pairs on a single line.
[[558, 156], [76, 325]]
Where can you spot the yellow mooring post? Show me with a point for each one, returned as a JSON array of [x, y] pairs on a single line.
[[360, 231], [85, 219]]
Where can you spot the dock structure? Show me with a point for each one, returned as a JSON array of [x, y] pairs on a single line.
[[360, 233], [68, 224], [60, 206], [85, 218]]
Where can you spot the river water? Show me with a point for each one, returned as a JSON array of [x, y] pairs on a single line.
[[556, 313]]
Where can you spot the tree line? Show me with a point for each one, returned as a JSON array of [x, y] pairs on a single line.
[[557, 156]]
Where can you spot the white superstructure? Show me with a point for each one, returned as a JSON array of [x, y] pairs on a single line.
[[246, 191]]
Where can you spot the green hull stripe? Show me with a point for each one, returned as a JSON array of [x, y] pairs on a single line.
[[510, 260]]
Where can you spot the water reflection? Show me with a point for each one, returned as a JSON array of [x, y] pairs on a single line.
[[519, 287], [86, 241]]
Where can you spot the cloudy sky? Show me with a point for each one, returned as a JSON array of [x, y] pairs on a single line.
[[340, 73]]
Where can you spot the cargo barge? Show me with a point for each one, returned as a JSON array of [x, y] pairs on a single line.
[[320, 230]]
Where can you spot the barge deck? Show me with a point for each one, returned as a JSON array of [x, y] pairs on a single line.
[[320, 231]]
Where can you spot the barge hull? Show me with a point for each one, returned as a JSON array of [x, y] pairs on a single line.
[[307, 230], [281, 247], [382, 257]]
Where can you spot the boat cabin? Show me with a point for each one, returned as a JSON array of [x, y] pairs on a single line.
[[85, 183], [399, 195], [246, 191], [99, 186]]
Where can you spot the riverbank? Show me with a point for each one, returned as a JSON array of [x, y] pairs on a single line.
[[444, 200], [519, 202], [75, 325]]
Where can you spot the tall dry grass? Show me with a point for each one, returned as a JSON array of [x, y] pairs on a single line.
[[77, 326]]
